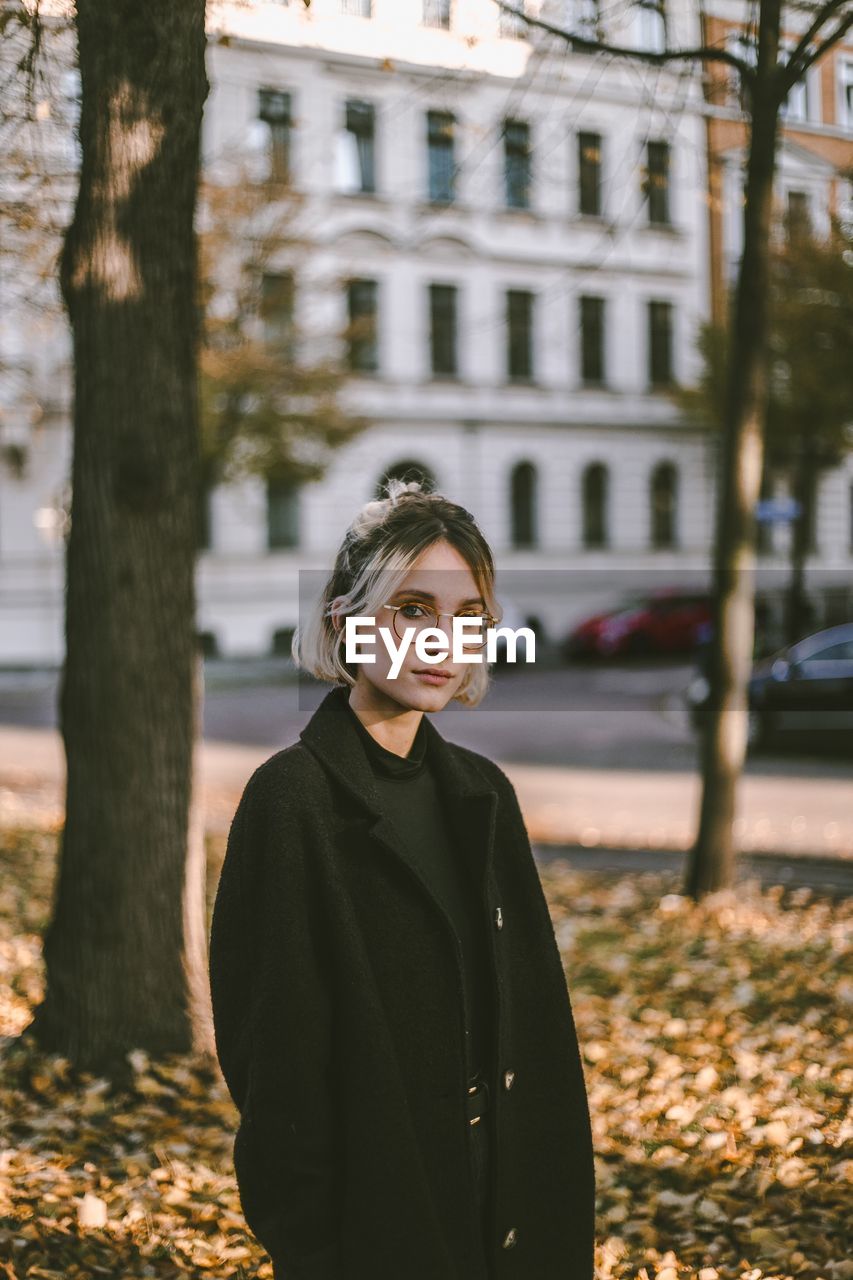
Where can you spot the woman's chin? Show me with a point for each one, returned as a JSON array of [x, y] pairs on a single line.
[[424, 694]]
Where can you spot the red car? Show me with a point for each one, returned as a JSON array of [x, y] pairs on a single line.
[[665, 621]]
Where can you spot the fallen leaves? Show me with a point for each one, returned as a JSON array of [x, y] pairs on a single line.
[[716, 1051]]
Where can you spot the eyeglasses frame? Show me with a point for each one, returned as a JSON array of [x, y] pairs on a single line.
[[436, 613]]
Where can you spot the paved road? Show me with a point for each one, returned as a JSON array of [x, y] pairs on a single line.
[[597, 717], [830, 876]]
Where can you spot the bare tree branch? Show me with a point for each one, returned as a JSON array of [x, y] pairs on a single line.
[[803, 57], [580, 44]]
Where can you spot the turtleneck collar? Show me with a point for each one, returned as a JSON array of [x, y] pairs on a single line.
[[388, 762]]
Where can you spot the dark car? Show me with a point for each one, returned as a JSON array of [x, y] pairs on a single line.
[[665, 621], [805, 689]]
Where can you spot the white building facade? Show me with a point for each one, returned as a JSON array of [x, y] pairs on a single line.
[[522, 236]]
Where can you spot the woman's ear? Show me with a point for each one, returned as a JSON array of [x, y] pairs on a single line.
[[336, 614]]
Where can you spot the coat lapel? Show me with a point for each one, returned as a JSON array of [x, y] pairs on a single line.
[[471, 800]]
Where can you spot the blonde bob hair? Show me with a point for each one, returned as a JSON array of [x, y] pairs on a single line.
[[378, 550]]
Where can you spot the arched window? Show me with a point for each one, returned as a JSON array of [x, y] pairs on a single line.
[[663, 503], [594, 506], [523, 505], [406, 469]]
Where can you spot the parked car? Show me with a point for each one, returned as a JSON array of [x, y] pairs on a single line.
[[665, 621], [806, 688]]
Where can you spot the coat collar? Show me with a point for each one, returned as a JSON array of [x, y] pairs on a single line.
[[471, 799], [332, 737]]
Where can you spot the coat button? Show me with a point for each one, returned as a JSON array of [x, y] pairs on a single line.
[[499, 920], [509, 1076], [510, 1238]]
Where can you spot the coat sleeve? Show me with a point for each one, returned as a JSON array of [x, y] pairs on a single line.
[[272, 1012]]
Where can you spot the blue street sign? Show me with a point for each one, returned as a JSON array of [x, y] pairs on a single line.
[[777, 510]]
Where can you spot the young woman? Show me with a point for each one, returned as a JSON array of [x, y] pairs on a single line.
[[390, 1007]]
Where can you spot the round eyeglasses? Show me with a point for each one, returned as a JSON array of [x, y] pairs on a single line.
[[413, 613]]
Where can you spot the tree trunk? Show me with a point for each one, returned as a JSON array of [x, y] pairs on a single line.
[[124, 965], [711, 862], [797, 611]]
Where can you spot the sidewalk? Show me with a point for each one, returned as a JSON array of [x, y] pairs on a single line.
[[606, 808]]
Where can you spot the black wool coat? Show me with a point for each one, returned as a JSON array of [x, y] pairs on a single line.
[[339, 1013]]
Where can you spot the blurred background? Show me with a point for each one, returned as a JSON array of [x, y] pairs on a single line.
[[435, 241], [436, 244]]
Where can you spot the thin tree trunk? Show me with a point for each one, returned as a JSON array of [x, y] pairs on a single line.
[[122, 953], [797, 613], [711, 862]]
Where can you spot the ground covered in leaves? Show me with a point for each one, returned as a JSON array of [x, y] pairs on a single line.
[[717, 1057]]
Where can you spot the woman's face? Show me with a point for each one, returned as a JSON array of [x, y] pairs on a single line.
[[442, 579]]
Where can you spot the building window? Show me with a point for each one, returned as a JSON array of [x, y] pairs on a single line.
[[594, 505], [657, 181], [274, 110], [660, 344], [362, 300], [441, 130], [282, 515], [407, 469], [519, 324], [803, 101], [442, 322], [357, 8], [583, 18], [663, 502], [511, 26], [845, 92], [589, 174], [651, 25], [798, 222], [436, 13], [356, 154], [523, 505], [592, 340], [516, 135], [276, 307]]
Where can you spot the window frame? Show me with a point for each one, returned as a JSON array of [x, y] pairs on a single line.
[[517, 149], [444, 12], [450, 292], [660, 307], [367, 172], [658, 191], [585, 166], [592, 322], [278, 333], [275, 490], [595, 522], [280, 126], [516, 342], [441, 141], [370, 342], [511, 26]]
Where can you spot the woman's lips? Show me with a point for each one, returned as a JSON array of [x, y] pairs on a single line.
[[433, 677]]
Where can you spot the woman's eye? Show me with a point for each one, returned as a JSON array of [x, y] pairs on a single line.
[[405, 607]]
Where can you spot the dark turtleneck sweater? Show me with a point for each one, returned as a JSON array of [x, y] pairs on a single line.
[[413, 803]]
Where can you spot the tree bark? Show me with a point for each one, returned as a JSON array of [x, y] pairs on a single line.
[[711, 862], [124, 965]]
